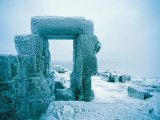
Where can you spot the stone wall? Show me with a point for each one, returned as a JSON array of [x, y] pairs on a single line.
[[31, 48], [21, 96]]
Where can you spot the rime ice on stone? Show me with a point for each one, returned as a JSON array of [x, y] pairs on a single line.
[[28, 72], [56, 25]]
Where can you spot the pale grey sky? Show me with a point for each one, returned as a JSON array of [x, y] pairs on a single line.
[[129, 30]]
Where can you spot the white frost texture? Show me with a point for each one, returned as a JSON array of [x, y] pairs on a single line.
[[57, 25], [111, 102]]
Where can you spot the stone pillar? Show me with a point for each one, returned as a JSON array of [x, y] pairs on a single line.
[[89, 50], [76, 76], [46, 55], [73, 74], [31, 46], [86, 85]]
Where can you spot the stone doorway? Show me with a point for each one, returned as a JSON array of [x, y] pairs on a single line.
[[85, 46], [26, 78]]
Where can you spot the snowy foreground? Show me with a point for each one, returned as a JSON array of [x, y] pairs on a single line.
[[111, 102]]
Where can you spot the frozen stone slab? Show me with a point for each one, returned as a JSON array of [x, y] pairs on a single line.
[[5, 68], [138, 92], [57, 37], [8, 67], [28, 44], [114, 77], [65, 95], [57, 25]]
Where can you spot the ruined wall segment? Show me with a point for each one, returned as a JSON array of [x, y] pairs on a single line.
[[31, 47], [34, 56]]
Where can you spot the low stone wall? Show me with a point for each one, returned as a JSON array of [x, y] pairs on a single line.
[[22, 97]]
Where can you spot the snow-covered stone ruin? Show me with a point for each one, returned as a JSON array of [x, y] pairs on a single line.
[[26, 84]]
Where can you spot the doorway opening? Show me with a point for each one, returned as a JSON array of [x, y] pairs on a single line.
[[61, 52], [61, 55]]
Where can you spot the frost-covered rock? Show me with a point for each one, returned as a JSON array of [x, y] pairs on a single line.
[[59, 85], [138, 92], [56, 25], [31, 46], [59, 68], [5, 68], [39, 96], [114, 77], [87, 89], [65, 95], [51, 83], [124, 78], [7, 91], [9, 67], [105, 75], [14, 64], [38, 107]]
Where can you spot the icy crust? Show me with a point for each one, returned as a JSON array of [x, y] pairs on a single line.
[[57, 25], [70, 110], [88, 46], [28, 44], [31, 47], [8, 67]]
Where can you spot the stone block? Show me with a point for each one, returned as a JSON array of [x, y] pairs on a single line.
[[21, 109], [125, 78], [46, 57], [38, 107], [86, 85], [128, 78], [20, 86], [72, 82], [29, 44], [89, 44], [38, 88], [57, 25], [90, 65], [65, 95], [113, 78], [105, 76], [138, 92], [14, 65], [74, 55], [5, 68], [23, 66], [59, 85], [51, 82]]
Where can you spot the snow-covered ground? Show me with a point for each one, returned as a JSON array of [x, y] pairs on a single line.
[[108, 92], [111, 102]]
